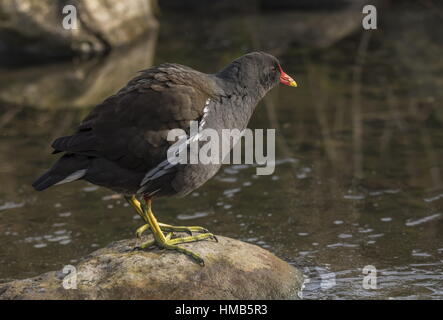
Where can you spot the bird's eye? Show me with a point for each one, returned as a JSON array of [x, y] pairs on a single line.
[[274, 69]]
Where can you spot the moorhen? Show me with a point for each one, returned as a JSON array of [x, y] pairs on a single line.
[[122, 144]]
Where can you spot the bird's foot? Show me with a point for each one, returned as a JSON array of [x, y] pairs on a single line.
[[170, 228], [172, 244], [158, 230]]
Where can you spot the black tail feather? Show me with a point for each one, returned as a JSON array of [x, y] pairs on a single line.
[[63, 168], [46, 180]]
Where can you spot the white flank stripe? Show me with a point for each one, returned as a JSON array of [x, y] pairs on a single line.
[[164, 167], [73, 176]]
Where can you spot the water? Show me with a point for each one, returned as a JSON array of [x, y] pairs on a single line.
[[358, 180]]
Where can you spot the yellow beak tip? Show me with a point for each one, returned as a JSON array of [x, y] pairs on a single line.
[[293, 84]]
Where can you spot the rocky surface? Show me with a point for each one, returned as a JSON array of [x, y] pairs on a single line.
[[35, 28], [233, 270]]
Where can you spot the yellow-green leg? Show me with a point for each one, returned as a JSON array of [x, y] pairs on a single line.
[[165, 227], [132, 200], [167, 242]]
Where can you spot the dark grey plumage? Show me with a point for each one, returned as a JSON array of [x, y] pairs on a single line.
[[124, 138]]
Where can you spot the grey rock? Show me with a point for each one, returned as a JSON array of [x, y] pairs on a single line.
[[233, 270], [35, 28]]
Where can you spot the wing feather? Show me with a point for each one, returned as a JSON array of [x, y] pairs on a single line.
[[130, 127]]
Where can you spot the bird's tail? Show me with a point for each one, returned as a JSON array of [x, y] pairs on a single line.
[[69, 167]]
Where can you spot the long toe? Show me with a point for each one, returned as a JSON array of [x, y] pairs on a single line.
[[139, 232], [196, 257], [189, 230], [200, 237]]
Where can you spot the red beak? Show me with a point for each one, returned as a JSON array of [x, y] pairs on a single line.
[[285, 79]]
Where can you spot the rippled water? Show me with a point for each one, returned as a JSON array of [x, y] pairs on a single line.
[[358, 180]]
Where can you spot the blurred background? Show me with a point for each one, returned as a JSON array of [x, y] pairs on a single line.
[[359, 172]]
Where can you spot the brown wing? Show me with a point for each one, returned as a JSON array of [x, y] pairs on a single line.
[[130, 128]]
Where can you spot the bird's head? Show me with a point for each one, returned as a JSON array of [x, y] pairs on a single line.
[[257, 71]]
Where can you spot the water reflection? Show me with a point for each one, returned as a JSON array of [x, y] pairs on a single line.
[[78, 84], [358, 177]]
